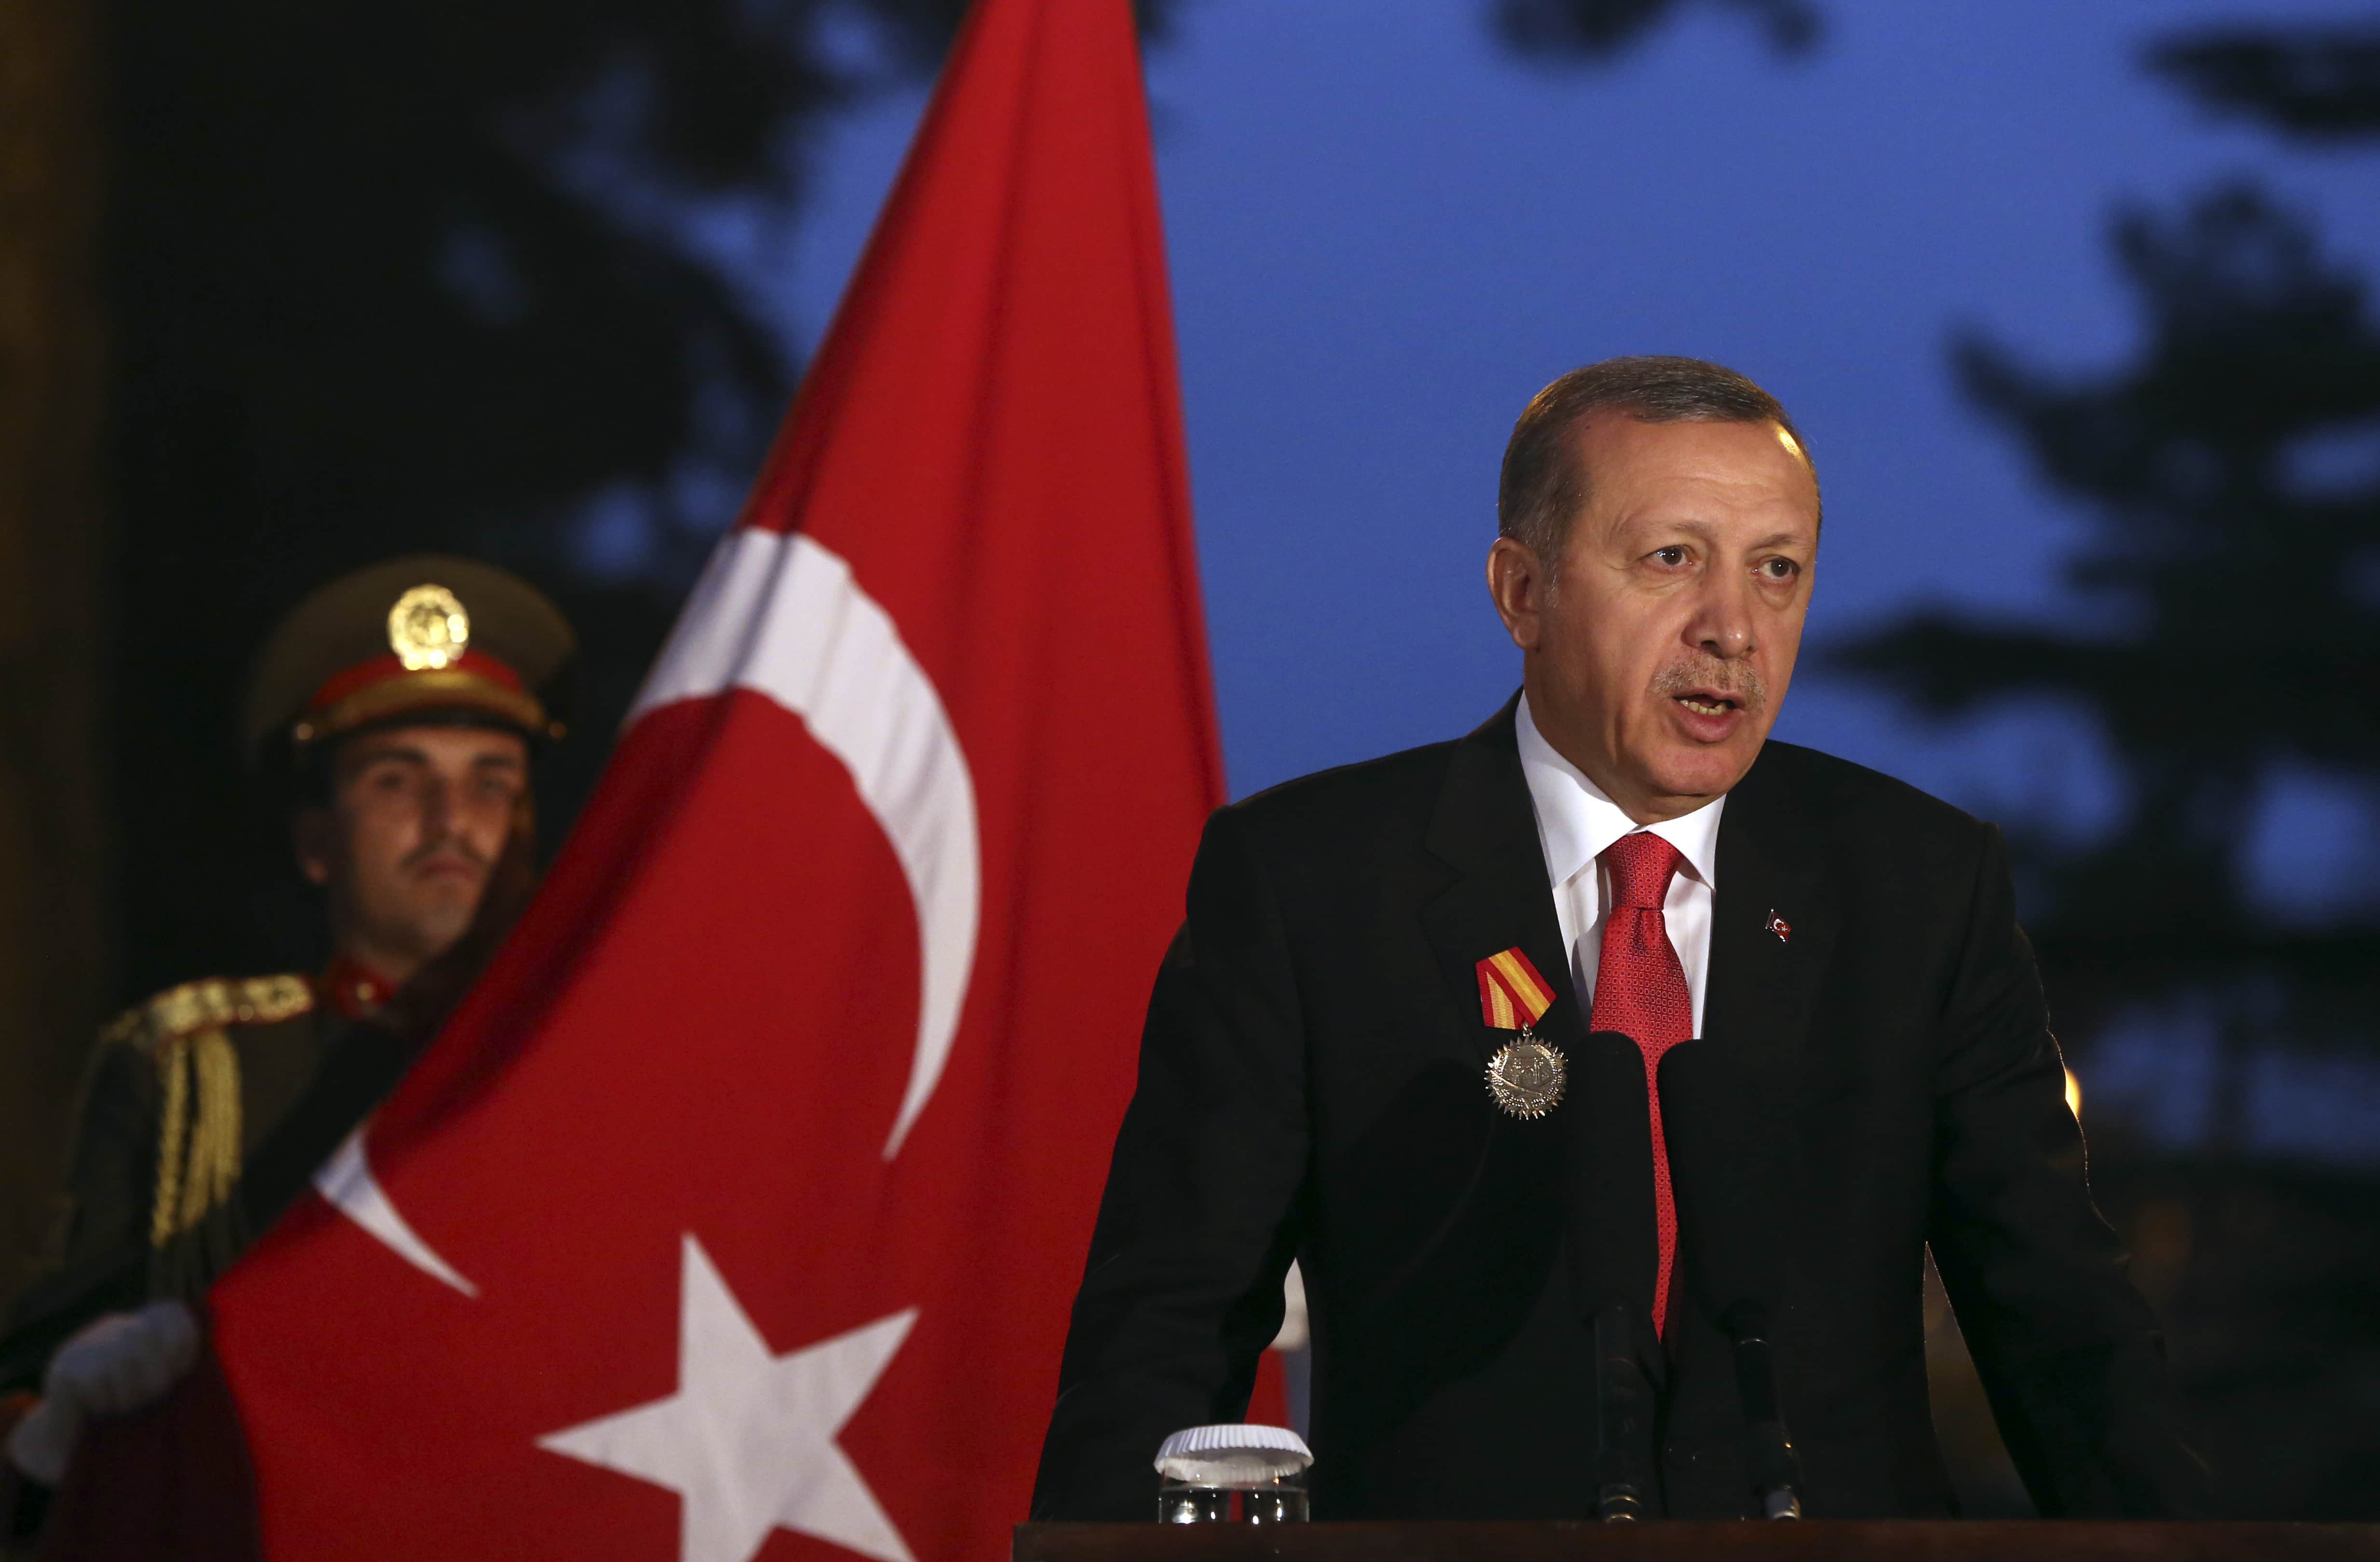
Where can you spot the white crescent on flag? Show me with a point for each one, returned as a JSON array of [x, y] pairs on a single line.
[[346, 1180], [780, 614], [777, 613]]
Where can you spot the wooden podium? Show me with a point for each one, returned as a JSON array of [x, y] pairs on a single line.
[[1814, 1541]]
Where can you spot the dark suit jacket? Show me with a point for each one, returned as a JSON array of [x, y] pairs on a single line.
[[1310, 1086]]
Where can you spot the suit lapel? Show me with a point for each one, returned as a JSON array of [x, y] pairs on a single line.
[[1764, 980], [1485, 832]]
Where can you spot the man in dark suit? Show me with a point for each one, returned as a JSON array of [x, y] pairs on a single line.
[[1311, 1073]]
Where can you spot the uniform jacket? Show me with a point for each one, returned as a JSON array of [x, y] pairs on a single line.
[[242, 1088], [1311, 1087]]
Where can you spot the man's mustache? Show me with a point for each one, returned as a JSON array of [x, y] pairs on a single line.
[[452, 846], [1739, 681]]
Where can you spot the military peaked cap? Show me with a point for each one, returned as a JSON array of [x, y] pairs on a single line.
[[425, 637]]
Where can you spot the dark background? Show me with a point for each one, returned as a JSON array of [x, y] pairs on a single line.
[[2072, 307]]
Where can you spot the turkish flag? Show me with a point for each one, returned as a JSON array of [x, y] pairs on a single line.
[[738, 1211]]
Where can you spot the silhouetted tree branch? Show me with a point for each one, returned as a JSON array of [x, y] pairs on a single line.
[[1595, 30], [2320, 83], [2227, 623]]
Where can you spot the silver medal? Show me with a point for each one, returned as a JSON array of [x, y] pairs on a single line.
[[1526, 1077]]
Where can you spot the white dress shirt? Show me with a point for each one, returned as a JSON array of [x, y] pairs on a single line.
[[1576, 822]]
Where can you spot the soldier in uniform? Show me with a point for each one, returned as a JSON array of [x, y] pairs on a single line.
[[400, 705]]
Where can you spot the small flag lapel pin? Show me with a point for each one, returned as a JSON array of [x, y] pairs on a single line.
[[1778, 926]]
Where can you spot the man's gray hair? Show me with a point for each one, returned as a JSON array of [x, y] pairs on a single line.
[[1545, 483]]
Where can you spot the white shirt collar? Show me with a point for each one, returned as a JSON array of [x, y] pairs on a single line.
[[1576, 821]]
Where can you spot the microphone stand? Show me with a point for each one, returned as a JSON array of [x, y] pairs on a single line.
[[1624, 1421], [1769, 1453], [1614, 1252], [1728, 1157]]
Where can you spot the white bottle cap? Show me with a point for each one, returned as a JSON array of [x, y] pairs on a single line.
[[1232, 1456]]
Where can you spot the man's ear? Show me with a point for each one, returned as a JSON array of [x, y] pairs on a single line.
[[1521, 586], [313, 837]]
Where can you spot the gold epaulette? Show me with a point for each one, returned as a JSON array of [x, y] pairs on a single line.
[[193, 1226], [210, 1004]]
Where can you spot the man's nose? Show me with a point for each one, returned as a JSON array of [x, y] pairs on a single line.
[[1722, 622], [437, 812]]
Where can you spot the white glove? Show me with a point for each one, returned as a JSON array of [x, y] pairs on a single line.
[[44, 1437], [122, 1362], [125, 1361]]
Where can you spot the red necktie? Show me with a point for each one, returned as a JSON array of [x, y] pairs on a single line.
[[1640, 992]]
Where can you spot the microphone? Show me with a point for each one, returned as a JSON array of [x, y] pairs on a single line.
[[1614, 1254], [1727, 1158]]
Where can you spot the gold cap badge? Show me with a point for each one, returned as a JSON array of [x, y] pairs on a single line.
[[428, 628]]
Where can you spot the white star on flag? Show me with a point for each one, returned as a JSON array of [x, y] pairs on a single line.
[[749, 1440]]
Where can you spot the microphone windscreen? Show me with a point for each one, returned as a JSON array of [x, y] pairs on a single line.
[[1727, 1168], [1615, 1249]]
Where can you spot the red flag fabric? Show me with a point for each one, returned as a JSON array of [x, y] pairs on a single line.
[[738, 1211]]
